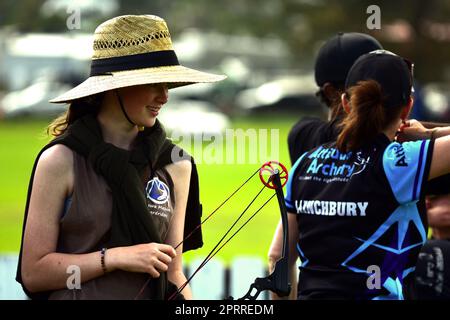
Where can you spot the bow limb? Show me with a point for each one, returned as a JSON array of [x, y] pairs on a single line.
[[278, 280]]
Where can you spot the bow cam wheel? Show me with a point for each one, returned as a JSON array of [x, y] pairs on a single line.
[[270, 168]]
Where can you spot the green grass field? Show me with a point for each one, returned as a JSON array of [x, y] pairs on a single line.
[[20, 142]]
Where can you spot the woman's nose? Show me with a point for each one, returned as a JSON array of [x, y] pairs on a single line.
[[162, 93]]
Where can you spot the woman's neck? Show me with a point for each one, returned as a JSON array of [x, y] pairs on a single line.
[[115, 128], [391, 130]]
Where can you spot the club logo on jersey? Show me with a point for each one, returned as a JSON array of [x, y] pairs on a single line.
[[360, 163], [329, 163], [157, 191], [398, 153]]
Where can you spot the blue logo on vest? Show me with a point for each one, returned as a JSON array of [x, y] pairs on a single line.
[[157, 191]]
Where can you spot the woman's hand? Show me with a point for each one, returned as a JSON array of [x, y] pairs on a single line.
[[412, 130], [152, 258]]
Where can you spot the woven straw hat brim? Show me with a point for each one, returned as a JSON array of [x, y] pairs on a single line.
[[174, 76]]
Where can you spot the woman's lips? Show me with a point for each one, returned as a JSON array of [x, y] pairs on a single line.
[[154, 111]]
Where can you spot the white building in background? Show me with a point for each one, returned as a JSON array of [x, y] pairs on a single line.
[[236, 55], [104, 7], [36, 67], [25, 57]]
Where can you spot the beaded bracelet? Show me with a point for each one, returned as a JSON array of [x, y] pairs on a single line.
[[102, 259]]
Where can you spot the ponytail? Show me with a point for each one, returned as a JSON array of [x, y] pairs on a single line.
[[367, 118]]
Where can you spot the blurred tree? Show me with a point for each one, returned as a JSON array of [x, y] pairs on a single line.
[[26, 17], [417, 29], [305, 24]]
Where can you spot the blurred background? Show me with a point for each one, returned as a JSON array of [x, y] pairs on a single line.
[[265, 47]]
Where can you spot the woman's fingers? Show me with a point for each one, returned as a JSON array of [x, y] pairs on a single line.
[[167, 249], [153, 272], [159, 265], [152, 258], [165, 258], [161, 257], [404, 125]]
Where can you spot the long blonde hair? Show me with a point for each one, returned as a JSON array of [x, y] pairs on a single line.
[[77, 109]]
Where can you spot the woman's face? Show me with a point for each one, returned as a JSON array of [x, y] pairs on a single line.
[[142, 103]]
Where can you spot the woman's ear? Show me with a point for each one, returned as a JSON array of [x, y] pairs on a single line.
[[345, 103]]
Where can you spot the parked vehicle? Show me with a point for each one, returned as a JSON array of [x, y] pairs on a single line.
[[294, 94], [192, 117], [33, 100]]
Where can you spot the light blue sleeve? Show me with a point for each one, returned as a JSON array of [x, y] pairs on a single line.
[[288, 198], [404, 165]]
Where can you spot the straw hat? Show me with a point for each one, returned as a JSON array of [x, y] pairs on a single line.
[[134, 50]]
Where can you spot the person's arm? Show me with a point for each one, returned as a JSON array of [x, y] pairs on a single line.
[[180, 173], [45, 269], [431, 125], [413, 130], [275, 253], [42, 268], [440, 162]]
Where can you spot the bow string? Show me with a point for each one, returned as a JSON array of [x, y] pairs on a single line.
[[277, 281]]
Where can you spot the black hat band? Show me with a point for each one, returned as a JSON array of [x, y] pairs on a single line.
[[136, 61]]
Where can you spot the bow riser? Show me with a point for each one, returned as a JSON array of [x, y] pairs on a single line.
[[278, 280]]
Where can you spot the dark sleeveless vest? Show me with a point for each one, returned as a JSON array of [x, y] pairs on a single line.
[[85, 224]]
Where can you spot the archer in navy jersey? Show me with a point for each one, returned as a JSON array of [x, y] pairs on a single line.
[[361, 218], [357, 213]]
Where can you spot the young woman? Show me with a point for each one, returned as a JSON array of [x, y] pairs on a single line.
[[357, 213], [110, 198]]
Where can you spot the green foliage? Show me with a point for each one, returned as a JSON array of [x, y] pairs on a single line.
[[20, 143]]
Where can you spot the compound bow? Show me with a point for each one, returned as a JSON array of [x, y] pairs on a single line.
[[278, 280]]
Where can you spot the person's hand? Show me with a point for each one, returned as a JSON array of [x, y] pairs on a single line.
[[438, 211], [412, 130], [152, 258]]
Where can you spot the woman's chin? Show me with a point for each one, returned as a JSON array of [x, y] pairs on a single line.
[[150, 122]]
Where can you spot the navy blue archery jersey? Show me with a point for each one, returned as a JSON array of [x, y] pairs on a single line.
[[361, 218]]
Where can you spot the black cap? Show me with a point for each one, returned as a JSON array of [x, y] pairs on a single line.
[[337, 55], [392, 72]]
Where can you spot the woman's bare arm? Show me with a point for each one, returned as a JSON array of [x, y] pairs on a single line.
[[413, 130], [180, 173], [440, 163], [42, 267]]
